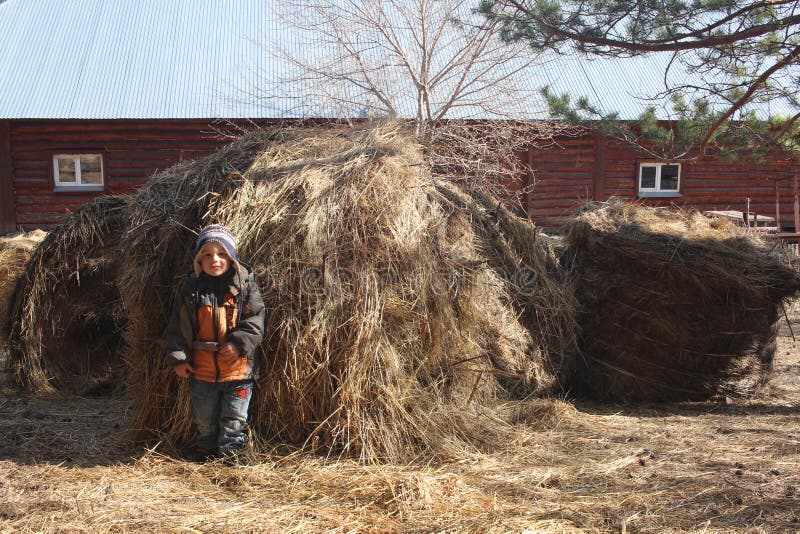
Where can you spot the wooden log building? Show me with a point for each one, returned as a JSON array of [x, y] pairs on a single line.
[[96, 96], [594, 167]]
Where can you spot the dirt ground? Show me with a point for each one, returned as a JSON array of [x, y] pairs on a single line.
[[574, 467]]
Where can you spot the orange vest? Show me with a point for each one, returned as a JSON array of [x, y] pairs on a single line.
[[208, 365]]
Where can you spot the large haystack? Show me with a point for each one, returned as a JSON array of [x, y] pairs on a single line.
[[395, 303], [15, 251], [675, 306], [65, 319]]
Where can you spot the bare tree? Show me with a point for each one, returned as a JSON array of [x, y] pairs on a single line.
[[435, 63]]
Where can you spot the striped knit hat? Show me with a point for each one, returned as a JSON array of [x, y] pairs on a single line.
[[215, 233]]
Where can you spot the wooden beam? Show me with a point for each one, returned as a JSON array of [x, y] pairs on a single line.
[[796, 205], [747, 213], [530, 185], [8, 219], [599, 192], [777, 206]]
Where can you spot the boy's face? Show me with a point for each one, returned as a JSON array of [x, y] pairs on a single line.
[[214, 260]]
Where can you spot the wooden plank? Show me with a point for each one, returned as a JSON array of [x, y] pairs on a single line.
[[8, 221], [739, 216], [530, 183], [599, 193], [134, 129], [796, 204], [34, 220]]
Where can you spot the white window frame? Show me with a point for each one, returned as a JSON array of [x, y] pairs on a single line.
[[77, 185], [657, 191]]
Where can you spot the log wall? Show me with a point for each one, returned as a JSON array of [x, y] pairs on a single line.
[[8, 221], [561, 177], [590, 167], [132, 149]]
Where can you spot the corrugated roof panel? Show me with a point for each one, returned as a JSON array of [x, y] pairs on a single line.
[[29, 71], [612, 85], [105, 59]]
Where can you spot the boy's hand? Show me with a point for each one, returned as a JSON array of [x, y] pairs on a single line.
[[229, 353], [184, 370]]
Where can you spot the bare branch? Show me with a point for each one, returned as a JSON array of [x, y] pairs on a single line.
[[432, 61]]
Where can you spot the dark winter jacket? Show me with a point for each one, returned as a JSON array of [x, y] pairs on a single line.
[[210, 312]]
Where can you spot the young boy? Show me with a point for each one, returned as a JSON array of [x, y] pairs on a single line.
[[216, 327]]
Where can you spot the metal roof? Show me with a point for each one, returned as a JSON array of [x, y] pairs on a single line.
[[108, 59], [163, 59]]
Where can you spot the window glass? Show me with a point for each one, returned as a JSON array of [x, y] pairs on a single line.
[[91, 170], [78, 171], [66, 170], [648, 178], [669, 177]]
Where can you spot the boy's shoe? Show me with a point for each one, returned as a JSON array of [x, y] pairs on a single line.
[[199, 456]]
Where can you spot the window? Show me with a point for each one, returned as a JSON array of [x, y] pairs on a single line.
[[78, 171], [659, 179]]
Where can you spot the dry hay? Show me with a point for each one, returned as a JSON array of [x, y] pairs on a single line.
[[15, 251], [65, 318], [674, 306], [396, 310], [527, 262], [688, 468]]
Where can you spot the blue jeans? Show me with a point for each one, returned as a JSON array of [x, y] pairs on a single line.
[[220, 413]]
